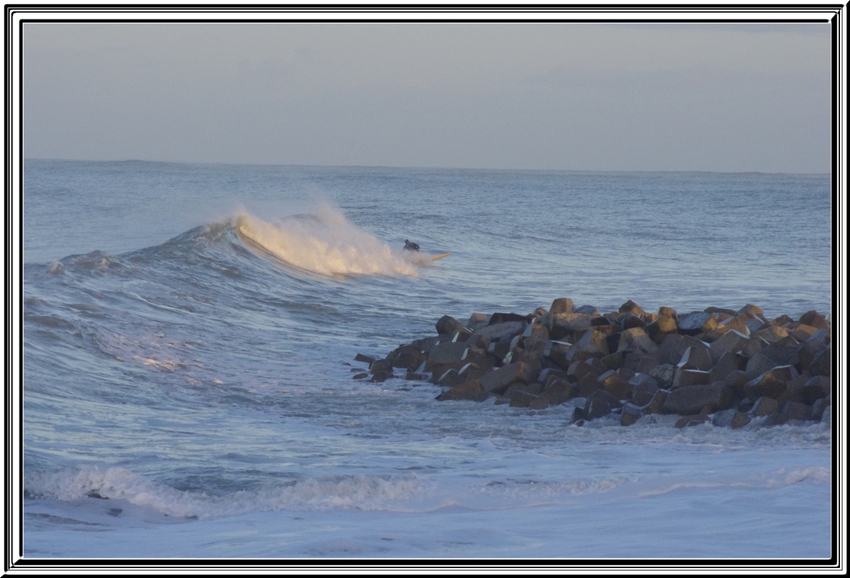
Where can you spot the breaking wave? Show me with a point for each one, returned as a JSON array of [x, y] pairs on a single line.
[[324, 244]]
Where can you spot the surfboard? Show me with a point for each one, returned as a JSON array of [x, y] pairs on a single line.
[[441, 256]]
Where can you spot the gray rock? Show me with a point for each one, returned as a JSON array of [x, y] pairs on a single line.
[[643, 388], [689, 377], [730, 418], [599, 404], [588, 310], [730, 342], [448, 352], [665, 374], [631, 414], [727, 363], [498, 381], [501, 331], [797, 411], [759, 363], [695, 358], [696, 323], [692, 399], [816, 387], [447, 325]]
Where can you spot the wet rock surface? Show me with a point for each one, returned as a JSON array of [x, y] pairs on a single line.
[[725, 367]]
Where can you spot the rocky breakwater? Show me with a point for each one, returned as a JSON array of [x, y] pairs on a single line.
[[722, 366]]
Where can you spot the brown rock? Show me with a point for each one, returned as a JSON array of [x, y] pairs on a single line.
[[631, 307], [497, 381], [562, 305], [636, 339], [631, 413], [568, 324], [803, 332], [522, 399], [587, 385], [470, 390], [815, 319], [557, 391], [448, 325], [657, 402], [614, 384], [594, 344], [535, 336], [559, 353], [764, 406], [663, 326]]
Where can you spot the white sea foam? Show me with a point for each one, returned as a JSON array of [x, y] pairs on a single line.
[[324, 243]]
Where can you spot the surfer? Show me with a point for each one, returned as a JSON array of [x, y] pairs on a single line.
[[408, 246]]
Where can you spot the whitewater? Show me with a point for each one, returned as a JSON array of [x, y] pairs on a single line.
[[189, 343]]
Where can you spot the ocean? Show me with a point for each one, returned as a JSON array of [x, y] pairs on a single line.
[[189, 343]]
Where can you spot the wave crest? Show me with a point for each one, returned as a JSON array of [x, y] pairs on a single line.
[[325, 244]]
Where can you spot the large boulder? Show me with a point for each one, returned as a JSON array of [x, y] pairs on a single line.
[[562, 305], [732, 341], [731, 418], [558, 391], [593, 343], [448, 325], [501, 331], [535, 337], [599, 404], [497, 381], [663, 326], [563, 325], [696, 323], [694, 398], [695, 358], [448, 352], [616, 385], [470, 390], [636, 339]]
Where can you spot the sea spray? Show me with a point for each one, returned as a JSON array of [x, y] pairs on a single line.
[[325, 244]]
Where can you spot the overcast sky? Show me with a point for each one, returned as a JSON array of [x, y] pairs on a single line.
[[576, 96]]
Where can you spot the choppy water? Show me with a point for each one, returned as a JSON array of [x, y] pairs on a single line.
[[189, 335]]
